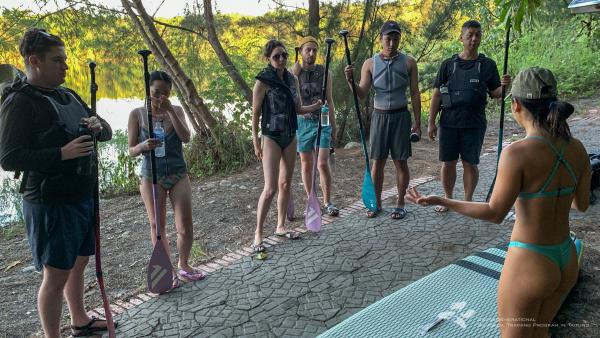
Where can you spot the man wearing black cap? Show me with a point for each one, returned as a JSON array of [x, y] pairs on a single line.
[[460, 90], [390, 73]]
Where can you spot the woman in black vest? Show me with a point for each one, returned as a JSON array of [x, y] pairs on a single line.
[[276, 102]]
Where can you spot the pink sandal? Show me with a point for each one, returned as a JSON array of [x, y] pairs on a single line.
[[194, 275]]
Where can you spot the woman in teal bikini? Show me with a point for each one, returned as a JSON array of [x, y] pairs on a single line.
[[275, 102], [173, 180], [543, 175]]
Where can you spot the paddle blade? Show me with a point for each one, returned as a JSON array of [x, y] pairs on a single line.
[[313, 213], [160, 271], [290, 208], [368, 192]]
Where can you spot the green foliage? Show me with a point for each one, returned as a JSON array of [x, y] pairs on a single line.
[[515, 11], [229, 151], [117, 169], [12, 230], [197, 253]]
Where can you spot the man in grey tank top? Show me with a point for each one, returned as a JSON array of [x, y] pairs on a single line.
[[310, 77], [390, 73]]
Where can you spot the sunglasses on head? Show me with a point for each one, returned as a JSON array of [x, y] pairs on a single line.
[[283, 56], [39, 35]]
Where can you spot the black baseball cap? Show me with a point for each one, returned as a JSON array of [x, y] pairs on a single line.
[[390, 27]]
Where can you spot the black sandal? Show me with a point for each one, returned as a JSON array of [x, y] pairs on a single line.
[[88, 329]]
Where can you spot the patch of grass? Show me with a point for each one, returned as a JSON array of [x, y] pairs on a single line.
[[197, 254], [11, 231]]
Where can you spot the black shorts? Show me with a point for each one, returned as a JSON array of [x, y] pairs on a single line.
[[463, 142], [58, 233]]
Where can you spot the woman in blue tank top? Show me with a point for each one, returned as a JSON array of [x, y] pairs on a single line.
[[543, 175], [171, 170]]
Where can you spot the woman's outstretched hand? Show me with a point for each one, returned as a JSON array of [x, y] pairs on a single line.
[[413, 195]]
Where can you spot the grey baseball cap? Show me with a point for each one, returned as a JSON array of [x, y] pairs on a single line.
[[534, 83]]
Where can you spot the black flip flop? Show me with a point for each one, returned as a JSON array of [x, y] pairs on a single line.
[[88, 329]]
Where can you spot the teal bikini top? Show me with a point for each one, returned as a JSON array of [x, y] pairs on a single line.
[[559, 160]]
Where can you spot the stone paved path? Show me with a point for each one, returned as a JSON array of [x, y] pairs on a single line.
[[309, 285]]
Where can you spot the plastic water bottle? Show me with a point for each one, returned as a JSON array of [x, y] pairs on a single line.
[[159, 134], [324, 115]]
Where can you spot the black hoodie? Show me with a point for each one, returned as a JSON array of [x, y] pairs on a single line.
[[31, 141]]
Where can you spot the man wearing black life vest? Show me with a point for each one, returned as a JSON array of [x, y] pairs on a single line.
[[460, 91], [392, 74], [39, 126], [310, 76]]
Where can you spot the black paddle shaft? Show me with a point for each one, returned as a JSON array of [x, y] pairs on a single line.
[[504, 71], [344, 33], [501, 125], [329, 42], [93, 87], [145, 53], [296, 49]]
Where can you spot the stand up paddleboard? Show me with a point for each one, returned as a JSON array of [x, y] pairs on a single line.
[[456, 301]]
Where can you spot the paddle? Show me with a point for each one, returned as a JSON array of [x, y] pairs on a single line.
[[290, 208], [99, 275], [313, 208], [160, 275], [368, 190], [501, 127]]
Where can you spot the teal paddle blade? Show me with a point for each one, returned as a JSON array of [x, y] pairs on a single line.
[[368, 192]]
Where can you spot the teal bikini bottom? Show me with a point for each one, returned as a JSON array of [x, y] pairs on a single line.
[[560, 253]]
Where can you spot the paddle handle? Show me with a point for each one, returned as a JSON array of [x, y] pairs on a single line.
[[501, 124], [344, 33]]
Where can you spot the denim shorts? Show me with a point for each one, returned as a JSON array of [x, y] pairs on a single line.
[[58, 233]]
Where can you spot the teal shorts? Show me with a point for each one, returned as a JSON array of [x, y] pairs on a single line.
[[307, 135]]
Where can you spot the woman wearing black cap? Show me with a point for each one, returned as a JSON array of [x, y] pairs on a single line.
[[543, 175], [171, 169]]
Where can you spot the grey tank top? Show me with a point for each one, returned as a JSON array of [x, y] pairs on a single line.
[[311, 86], [390, 79], [172, 163]]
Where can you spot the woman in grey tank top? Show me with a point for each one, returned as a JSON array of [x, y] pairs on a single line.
[[171, 169]]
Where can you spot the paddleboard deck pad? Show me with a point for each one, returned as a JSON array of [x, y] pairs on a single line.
[[456, 301]]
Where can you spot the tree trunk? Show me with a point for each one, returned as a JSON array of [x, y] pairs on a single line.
[[313, 18], [213, 39], [192, 103]]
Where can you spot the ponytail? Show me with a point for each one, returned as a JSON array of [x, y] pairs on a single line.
[[551, 114], [557, 119]]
